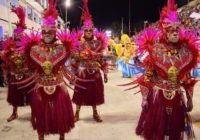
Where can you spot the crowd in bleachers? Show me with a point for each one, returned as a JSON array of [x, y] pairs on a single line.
[[190, 15]]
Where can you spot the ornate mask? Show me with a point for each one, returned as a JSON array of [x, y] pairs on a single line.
[[19, 63], [48, 35], [18, 59], [172, 73], [47, 67], [88, 33]]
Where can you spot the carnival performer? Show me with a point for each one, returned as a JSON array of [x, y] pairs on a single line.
[[89, 63], [111, 53], [121, 63], [115, 48], [15, 67], [51, 105], [134, 62], [170, 53], [126, 58], [117, 45]]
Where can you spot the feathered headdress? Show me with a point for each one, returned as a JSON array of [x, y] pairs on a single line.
[[50, 16], [86, 17], [20, 25], [169, 14]]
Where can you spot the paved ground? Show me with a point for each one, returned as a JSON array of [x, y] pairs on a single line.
[[120, 114]]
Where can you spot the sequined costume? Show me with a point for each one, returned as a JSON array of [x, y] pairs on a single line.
[[89, 68], [170, 54], [15, 66], [51, 106], [88, 62]]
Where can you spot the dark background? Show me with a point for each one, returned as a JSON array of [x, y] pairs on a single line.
[[108, 13]]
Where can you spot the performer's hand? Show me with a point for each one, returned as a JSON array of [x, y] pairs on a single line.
[[105, 78], [189, 105], [145, 105]]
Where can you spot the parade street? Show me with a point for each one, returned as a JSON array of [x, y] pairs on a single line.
[[120, 114]]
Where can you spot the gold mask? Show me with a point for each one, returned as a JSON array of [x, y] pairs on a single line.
[[18, 63], [47, 67], [172, 73]]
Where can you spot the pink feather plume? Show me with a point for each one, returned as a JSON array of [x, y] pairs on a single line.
[[19, 11]]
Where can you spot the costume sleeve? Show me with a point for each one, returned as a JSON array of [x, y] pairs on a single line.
[[103, 65], [188, 84], [74, 61], [146, 83]]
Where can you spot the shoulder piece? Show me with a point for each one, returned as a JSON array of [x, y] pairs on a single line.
[[68, 40], [78, 34], [9, 46], [101, 36], [189, 38], [29, 40], [147, 39]]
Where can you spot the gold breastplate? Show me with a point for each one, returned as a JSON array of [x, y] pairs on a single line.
[[172, 74]]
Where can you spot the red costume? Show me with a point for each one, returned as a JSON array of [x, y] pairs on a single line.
[[51, 105], [16, 66], [89, 66], [14, 62], [88, 62], [171, 53]]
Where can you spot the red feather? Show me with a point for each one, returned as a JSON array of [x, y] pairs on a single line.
[[28, 41], [51, 11], [171, 6], [68, 40], [86, 13], [189, 38], [9, 46], [19, 11], [101, 36], [147, 39]]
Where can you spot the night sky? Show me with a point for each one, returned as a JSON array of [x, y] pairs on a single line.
[[105, 12]]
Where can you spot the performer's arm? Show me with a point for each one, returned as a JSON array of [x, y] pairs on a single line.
[[146, 85], [188, 85], [75, 58], [104, 68]]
